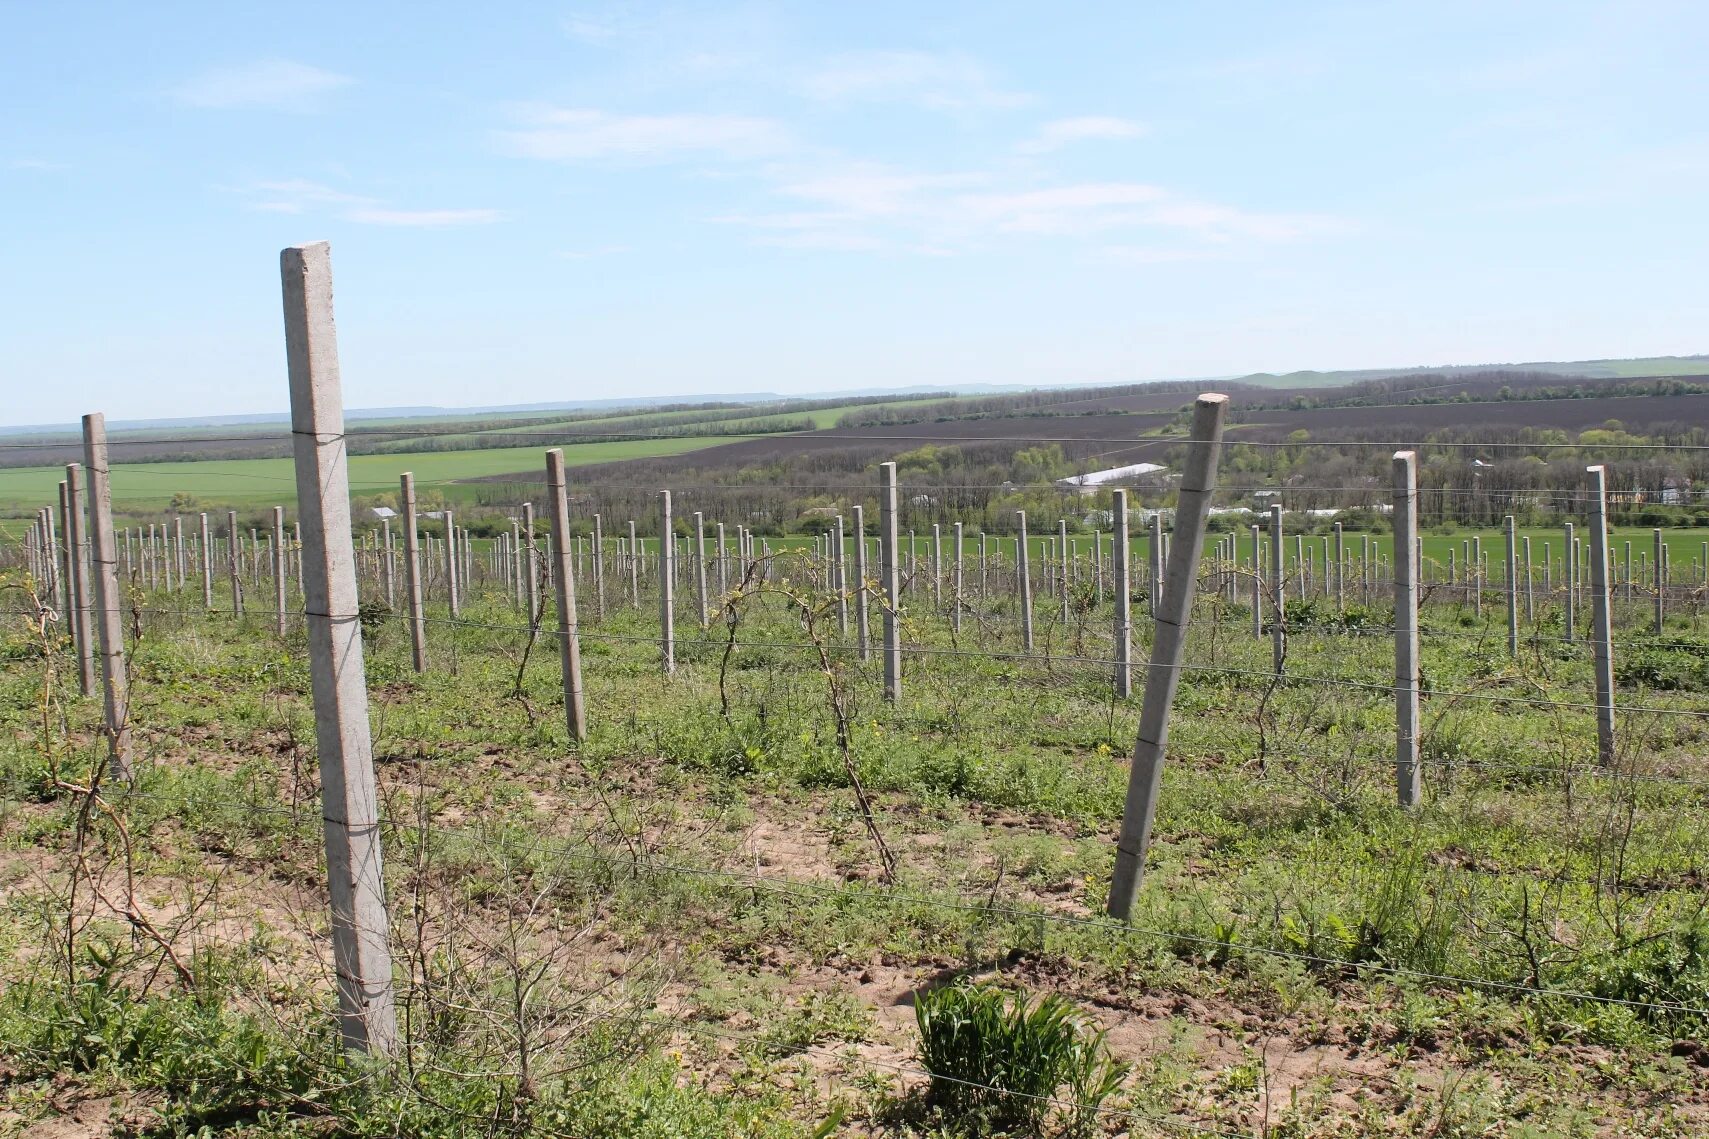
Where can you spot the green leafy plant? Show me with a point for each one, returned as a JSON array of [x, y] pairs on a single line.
[[1003, 1062]]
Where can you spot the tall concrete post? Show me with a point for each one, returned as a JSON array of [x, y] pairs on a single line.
[[1154, 560], [531, 568], [386, 570], [349, 805], [1569, 578], [1661, 579], [840, 578], [1063, 568], [234, 560], [104, 566], [1278, 603], [891, 585], [863, 629], [207, 552], [1024, 579], [667, 575], [957, 586], [279, 555], [1121, 585], [452, 591], [569, 640], [1512, 554], [1257, 584], [700, 565], [412, 573], [634, 568], [1530, 591], [1408, 777], [1145, 776], [599, 566], [81, 587], [1602, 648]]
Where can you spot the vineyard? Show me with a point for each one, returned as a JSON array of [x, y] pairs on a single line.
[[1209, 821]]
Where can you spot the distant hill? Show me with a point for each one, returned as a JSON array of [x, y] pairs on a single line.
[[1639, 368]]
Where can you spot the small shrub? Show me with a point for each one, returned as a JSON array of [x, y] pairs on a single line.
[[1001, 1062]]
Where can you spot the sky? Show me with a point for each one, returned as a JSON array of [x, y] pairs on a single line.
[[536, 202]]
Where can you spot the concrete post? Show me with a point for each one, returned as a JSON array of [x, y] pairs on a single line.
[[667, 598], [451, 567], [840, 579], [1023, 576], [1408, 776], [937, 566], [1278, 603], [569, 641], [634, 568], [279, 569], [1530, 592], [1569, 578], [234, 552], [957, 586], [723, 563], [412, 572], [207, 556], [1512, 588], [1257, 584], [863, 631], [1340, 570], [700, 565], [349, 804], [81, 587], [599, 567], [891, 585], [1154, 560], [1121, 585], [1145, 776], [386, 570], [104, 564], [1062, 557], [1602, 647], [531, 567], [1662, 580]]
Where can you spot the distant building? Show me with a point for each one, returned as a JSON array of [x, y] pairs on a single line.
[[382, 512], [1145, 475]]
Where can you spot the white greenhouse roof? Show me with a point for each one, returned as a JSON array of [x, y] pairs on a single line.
[[1114, 474]]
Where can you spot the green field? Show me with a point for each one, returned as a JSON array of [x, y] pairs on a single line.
[[254, 482]]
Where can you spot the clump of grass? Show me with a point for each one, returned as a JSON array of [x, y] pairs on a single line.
[[1003, 1062]]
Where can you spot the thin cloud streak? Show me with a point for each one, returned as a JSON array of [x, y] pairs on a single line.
[[272, 84], [579, 134]]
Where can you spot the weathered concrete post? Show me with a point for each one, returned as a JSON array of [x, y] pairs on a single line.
[[1407, 772], [1569, 578], [234, 563], [700, 565], [207, 557], [956, 587], [1512, 553], [569, 641], [891, 585], [452, 597], [1257, 584], [1154, 560], [634, 568], [77, 544], [1023, 575], [1662, 580], [349, 805], [1602, 647], [104, 566], [412, 573], [386, 569], [863, 628], [1278, 603], [1062, 556], [531, 567], [840, 578], [599, 567], [1121, 585], [667, 596], [279, 555], [1530, 591], [1145, 776], [937, 566]]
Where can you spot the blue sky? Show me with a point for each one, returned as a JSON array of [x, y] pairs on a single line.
[[539, 202]]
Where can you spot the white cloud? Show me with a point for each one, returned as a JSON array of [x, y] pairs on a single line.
[[873, 207], [943, 82], [434, 219], [567, 135], [276, 84], [1061, 132], [299, 196]]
